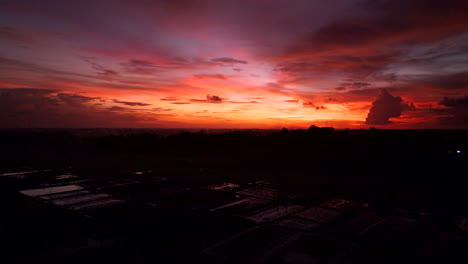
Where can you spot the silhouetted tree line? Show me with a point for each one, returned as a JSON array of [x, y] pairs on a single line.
[[371, 152]]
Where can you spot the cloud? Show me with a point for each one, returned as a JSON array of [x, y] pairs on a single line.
[[295, 67], [170, 98], [229, 60], [13, 92], [243, 102], [160, 109], [198, 100], [383, 34], [14, 66], [390, 22], [75, 99], [214, 98], [117, 108], [440, 81], [355, 32], [320, 107], [99, 68], [456, 116], [342, 49], [383, 108], [130, 103], [142, 67], [210, 76], [45, 108], [13, 34], [142, 63], [209, 99], [353, 85], [291, 101], [454, 102], [309, 104]]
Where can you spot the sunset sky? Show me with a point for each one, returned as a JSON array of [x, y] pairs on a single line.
[[234, 64]]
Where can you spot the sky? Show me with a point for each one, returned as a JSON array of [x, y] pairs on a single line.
[[395, 64]]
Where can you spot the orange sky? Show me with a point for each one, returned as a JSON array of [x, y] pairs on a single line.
[[235, 64]]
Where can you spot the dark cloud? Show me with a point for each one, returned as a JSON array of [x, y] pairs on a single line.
[[117, 108], [320, 107], [214, 98], [353, 85], [309, 104], [75, 99], [130, 103], [440, 81], [210, 76], [358, 66], [385, 33], [160, 109], [383, 108], [142, 67], [456, 114], [228, 60], [392, 22], [142, 63], [12, 99], [147, 67], [295, 67], [99, 68], [198, 100], [418, 12], [243, 102], [454, 101], [181, 103], [13, 34], [33, 92], [13, 65], [367, 93], [170, 98], [209, 99], [42, 108], [356, 32]]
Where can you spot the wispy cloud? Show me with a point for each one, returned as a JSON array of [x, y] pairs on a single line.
[[130, 103]]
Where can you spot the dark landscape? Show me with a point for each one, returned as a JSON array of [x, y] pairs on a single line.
[[317, 195]]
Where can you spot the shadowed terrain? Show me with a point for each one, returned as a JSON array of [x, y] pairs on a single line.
[[138, 196]]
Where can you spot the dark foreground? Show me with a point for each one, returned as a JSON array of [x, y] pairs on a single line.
[[304, 196]]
